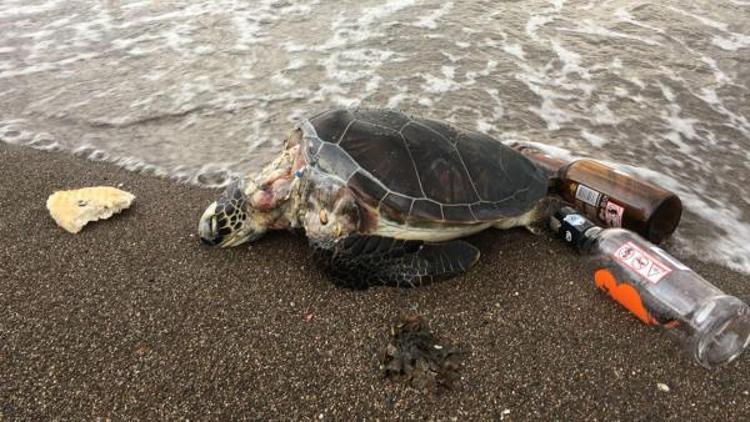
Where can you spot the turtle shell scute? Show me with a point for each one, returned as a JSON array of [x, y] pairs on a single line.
[[423, 170]]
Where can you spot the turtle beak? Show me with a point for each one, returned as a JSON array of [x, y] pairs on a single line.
[[228, 221], [207, 228]]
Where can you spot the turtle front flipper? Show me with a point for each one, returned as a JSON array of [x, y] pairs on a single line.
[[360, 261]]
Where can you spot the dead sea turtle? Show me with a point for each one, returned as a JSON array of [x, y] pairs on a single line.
[[383, 196]]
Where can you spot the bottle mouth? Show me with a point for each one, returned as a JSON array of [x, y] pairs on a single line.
[[664, 219], [725, 333]]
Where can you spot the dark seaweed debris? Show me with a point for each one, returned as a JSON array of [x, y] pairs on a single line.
[[413, 355]]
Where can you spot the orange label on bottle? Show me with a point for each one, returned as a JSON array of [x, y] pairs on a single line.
[[624, 294]]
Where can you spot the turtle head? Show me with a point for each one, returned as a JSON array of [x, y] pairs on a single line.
[[231, 220]]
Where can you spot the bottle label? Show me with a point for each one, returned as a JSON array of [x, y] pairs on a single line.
[[643, 263], [588, 195], [611, 213]]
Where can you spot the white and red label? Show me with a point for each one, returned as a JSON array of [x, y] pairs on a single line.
[[612, 214], [588, 195], [643, 263]]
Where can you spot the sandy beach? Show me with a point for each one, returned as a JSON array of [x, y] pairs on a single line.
[[135, 319]]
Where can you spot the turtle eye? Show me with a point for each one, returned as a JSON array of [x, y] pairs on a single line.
[[323, 215]]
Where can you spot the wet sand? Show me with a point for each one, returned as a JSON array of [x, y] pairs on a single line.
[[134, 319]]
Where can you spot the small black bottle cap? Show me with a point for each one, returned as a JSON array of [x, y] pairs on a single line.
[[571, 226]]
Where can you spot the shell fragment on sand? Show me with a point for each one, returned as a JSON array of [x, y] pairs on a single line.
[[73, 209]]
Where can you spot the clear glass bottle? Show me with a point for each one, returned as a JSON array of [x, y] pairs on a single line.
[[659, 290]]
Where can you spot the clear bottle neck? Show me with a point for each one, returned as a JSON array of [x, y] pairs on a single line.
[[590, 240]]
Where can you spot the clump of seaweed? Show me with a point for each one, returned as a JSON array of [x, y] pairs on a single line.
[[413, 355]]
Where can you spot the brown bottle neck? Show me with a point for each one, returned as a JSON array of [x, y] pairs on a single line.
[[551, 166]]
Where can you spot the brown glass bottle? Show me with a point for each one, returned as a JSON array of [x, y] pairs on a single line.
[[611, 198]]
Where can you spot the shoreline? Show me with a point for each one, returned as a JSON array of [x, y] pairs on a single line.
[[134, 318]]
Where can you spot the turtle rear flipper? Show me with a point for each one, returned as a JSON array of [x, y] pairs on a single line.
[[360, 261]]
